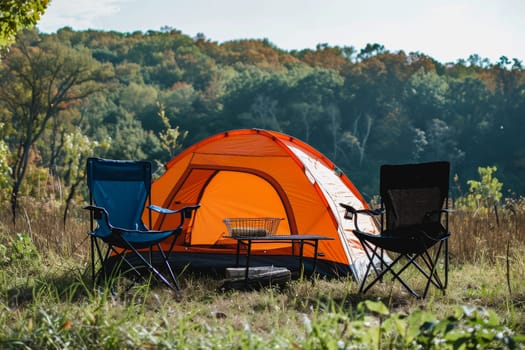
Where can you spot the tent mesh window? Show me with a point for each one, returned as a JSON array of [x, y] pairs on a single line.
[[252, 227]]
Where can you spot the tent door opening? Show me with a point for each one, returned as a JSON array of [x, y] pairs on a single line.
[[235, 194]]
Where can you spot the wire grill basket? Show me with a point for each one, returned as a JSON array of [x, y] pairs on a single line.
[[252, 227]]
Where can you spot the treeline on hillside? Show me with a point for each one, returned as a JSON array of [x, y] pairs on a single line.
[[74, 94]]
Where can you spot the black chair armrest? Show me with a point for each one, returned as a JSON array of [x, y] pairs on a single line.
[[350, 211], [440, 211]]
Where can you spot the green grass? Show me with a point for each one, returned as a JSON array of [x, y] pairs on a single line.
[[58, 309], [47, 302]]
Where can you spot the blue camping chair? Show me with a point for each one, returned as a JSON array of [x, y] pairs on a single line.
[[118, 191]]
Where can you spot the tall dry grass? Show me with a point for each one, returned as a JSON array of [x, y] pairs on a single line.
[[482, 236], [488, 234], [44, 223]]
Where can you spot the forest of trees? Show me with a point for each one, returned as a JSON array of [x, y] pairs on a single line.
[[74, 94]]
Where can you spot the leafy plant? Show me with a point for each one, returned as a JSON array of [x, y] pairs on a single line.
[[20, 250], [484, 193], [374, 326], [171, 137], [468, 328]]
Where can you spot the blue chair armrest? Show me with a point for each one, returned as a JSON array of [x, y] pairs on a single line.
[[186, 211], [98, 212], [101, 215], [162, 210]]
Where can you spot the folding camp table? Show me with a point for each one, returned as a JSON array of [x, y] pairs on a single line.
[[312, 240]]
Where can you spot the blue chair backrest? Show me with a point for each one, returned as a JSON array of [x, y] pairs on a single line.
[[122, 188]]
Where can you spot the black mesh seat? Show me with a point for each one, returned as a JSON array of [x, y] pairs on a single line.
[[414, 225]]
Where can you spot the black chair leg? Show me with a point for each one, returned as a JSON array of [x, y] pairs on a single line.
[[429, 271], [168, 267], [153, 270]]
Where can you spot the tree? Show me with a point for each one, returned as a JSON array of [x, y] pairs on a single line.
[[315, 111], [334, 125], [5, 170], [263, 113], [77, 148], [16, 15], [171, 137], [306, 114], [358, 137], [442, 142], [426, 96], [370, 50], [39, 78]]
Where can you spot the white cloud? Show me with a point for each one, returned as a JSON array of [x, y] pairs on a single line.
[[78, 14]]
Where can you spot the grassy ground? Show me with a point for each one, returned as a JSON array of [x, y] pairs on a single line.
[[46, 299]]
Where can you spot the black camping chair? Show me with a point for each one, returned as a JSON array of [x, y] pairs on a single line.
[[118, 191], [414, 225]]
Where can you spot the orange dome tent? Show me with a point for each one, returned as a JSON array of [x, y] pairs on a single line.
[[259, 173]]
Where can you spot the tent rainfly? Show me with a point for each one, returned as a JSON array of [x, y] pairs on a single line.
[[258, 173]]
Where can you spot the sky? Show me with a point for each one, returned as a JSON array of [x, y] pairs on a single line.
[[446, 30]]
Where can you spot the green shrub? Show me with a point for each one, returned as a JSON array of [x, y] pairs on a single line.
[[482, 194], [468, 328], [21, 251]]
